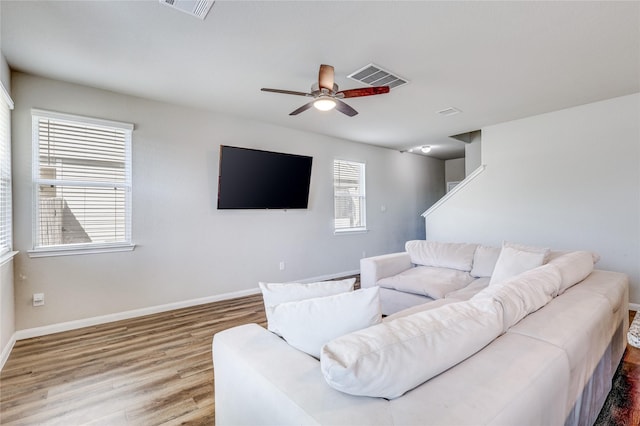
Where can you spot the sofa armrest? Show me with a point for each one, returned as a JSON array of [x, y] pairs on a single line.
[[261, 380], [373, 269]]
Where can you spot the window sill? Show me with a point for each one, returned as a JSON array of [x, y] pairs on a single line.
[[7, 257], [350, 231], [78, 250]]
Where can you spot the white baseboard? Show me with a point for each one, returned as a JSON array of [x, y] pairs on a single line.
[[103, 319], [4, 356], [634, 307], [328, 277]]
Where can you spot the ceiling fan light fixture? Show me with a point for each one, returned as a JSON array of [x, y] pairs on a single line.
[[425, 149], [324, 103]]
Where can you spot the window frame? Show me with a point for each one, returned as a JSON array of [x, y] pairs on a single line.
[[6, 210], [90, 247], [362, 198]]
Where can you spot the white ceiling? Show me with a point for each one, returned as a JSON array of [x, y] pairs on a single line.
[[495, 61]]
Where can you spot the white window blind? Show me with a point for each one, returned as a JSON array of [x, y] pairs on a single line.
[[349, 196], [82, 181], [5, 174]]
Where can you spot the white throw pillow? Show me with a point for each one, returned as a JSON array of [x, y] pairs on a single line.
[[574, 267], [484, 261], [515, 259], [393, 357], [275, 293], [309, 324], [443, 255], [524, 293]]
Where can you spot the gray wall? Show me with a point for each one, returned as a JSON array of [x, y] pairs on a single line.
[[186, 248], [567, 180], [473, 153], [454, 170], [5, 73]]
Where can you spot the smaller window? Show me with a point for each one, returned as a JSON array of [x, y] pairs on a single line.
[[82, 182], [349, 196]]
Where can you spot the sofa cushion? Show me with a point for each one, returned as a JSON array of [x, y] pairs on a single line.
[[428, 281], [577, 323], [515, 259], [310, 323], [574, 267], [393, 301], [514, 381], [608, 285], [390, 358], [434, 304], [275, 293], [484, 261], [554, 254], [469, 291], [444, 255], [524, 293]]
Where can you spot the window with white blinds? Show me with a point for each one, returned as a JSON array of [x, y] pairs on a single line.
[[82, 181], [5, 174], [349, 196]]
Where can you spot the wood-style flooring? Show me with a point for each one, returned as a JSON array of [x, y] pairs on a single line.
[[152, 370], [157, 370]]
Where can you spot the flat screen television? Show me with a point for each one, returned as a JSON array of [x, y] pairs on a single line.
[[255, 179]]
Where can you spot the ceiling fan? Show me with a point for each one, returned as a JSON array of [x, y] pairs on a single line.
[[326, 95]]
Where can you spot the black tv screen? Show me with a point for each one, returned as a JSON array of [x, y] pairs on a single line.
[[255, 179]]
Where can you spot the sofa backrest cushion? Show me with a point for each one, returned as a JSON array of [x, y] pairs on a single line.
[[515, 259], [484, 261], [574, 267], [308, 324], [393, 357], [443, 255], [554, 254], [276, 293], [524, 293]]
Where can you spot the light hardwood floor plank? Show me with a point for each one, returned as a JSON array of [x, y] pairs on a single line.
[[152, 370]]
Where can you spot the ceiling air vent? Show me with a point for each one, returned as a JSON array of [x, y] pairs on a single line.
[[449, 111], [374, 75], [197, 8]]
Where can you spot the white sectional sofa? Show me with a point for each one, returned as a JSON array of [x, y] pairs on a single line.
[[427, 271], [551, 361]]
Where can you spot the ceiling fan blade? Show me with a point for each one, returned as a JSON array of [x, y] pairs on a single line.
[[345, 109], [286, 92], [325, 77], [364, 91], [303, 108]]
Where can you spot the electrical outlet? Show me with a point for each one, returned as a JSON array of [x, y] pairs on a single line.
[[282, 265], [38, 299]]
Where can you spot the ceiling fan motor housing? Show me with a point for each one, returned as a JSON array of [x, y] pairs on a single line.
[[317, 91]]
